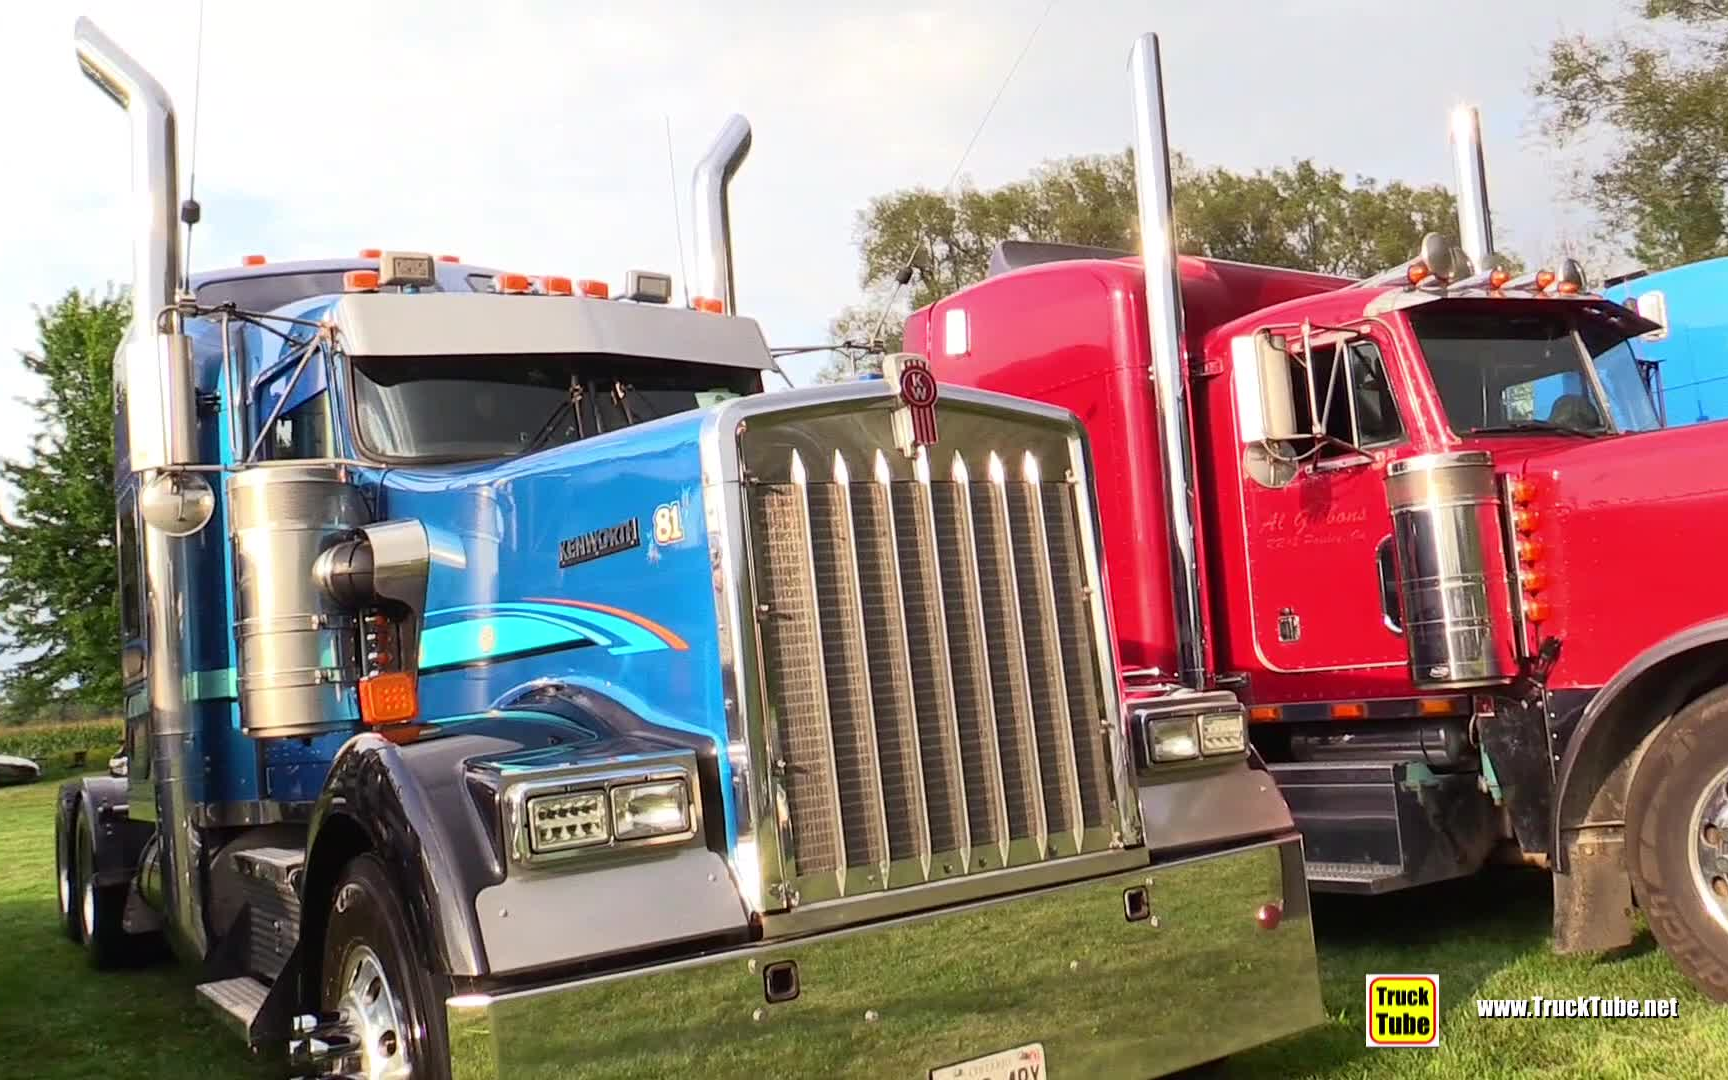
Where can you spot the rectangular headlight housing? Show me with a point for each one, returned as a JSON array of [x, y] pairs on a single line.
[[1173, 739], [596, 809], [661, 808], [1223, 733], [569, 820]]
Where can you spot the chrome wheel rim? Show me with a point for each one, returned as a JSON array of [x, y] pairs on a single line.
[[376, 1017], [65, 876], [1709, 843], [87, 909]]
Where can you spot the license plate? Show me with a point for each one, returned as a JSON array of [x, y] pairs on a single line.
[[1021, 1063]]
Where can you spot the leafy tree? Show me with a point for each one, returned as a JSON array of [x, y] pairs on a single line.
[[58, 578], [1303, 216], [1659, 92]]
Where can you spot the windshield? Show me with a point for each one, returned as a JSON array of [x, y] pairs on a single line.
[[1504, 369], [450, 408]]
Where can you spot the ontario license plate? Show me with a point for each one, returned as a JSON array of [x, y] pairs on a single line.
[[1021, 1063]]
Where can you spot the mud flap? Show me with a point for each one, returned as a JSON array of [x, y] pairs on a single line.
[[1593, 898]]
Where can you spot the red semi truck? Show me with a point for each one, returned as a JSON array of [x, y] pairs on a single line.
[[1428, 526]]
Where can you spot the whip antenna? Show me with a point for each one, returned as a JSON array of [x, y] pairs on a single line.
[[902, 278], [677, 224], [189, 211]]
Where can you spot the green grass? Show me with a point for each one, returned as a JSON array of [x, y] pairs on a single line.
[[1486, 938]]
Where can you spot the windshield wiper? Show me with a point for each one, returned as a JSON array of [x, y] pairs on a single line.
[[572, 404], [1525, 426]]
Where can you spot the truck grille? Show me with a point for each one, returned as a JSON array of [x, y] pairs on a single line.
[[931, 672]]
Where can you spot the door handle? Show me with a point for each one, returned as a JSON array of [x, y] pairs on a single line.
[[1387, 573]]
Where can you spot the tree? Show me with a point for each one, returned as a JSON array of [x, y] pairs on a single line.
[[1661, 92], [1303, 216], [58, 580]]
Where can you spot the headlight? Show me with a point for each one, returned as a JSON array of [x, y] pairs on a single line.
[[595, 809], [1173, 739], [643, 810], [1223, 733], [561, 822]]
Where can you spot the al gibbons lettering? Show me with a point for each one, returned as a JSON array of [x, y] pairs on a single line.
[[599, 543]]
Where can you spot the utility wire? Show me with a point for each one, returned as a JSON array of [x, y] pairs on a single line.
[[905, 275], [677, 222]]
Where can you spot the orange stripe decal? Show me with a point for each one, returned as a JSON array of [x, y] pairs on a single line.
[[649, 625]]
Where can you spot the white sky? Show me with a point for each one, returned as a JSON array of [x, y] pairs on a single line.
[[531, 136]]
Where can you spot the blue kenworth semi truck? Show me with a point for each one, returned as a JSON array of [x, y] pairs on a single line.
[[514, 689], [1686, 357]]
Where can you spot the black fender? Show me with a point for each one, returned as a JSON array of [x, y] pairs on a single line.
[[1603, 751], [425, 801], [119, 841]]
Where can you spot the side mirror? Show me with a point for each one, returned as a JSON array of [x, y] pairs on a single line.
[[1277, 397], [118, 766]]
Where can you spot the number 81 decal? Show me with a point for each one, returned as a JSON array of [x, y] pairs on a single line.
[[668, 523]]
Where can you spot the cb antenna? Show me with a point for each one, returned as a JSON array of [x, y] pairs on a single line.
[[904, 276], [189, 210], [677, 224]]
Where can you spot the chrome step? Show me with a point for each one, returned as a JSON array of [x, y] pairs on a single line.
[[235, 1001], [279, 865]]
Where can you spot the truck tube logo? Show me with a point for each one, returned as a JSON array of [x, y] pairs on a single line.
[[1403, 1010]]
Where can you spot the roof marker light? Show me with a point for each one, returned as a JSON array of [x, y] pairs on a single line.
[[511, 283], [449, 259], [251, 260], [1498, 279], [709, 304], [360, 281], [597, 290], [1544, 278], [553, 285], [1418, 273], [371, 253]]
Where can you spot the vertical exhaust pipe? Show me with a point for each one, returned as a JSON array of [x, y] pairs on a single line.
[[155, 373], [154, 368], [1475, 228], [712, 217], [1164, 333]]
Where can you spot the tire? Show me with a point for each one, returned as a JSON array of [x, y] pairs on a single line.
[[100, 909], [66, 873], [367, 916], [1688, 757]]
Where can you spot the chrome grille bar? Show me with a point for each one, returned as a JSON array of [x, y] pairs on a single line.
[[1071, 596], [1006, 648], [1046, 676], [851, 718], [974, 697], [884, 610], [930, 669], [791, 637]]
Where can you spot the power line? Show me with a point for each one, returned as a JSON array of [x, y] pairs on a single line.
[[905, 275], [677, 222]]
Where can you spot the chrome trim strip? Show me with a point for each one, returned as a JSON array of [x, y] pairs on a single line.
[[921, 828], [950, 713], [855, 616], [1022, 694], [801, 479], [987, 696], [1046, 588]]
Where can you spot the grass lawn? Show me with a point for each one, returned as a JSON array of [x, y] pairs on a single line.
[[1485, 938]]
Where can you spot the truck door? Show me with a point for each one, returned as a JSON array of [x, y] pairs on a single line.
[[1317, 528]]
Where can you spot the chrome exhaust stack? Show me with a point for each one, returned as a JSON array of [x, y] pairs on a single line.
[[1475, 227], [1152, 184], [153, 372], [711, 214]]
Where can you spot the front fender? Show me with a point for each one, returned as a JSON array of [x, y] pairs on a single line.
[[409, 806], [1595, 772]]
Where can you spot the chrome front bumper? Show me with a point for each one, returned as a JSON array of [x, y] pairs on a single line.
[[1198, 979]]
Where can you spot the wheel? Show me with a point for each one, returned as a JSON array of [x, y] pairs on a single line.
[[100, 908], [374, 976], [66, 876], [1677, 818]]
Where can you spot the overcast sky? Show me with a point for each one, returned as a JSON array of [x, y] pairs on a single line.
[[532, 136]]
